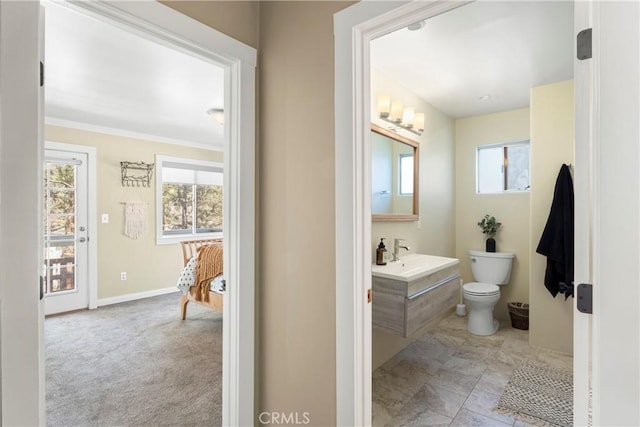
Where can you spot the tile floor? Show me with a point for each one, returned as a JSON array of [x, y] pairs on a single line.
[[450, 377]]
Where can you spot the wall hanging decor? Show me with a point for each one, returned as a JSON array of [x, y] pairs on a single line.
[[135, 219], [136, 174]]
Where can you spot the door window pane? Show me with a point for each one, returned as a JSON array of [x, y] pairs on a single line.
[[62, 201], [59, 204], [61, 225]]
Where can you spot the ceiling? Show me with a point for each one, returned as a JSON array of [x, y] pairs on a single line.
[[486, 48], [100, 76]]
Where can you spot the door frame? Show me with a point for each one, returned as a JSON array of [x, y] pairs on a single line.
[[354, 28], [92, 216], [583, 174], [21, 325]]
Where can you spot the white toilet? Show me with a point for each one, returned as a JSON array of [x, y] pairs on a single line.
[[490, 269]]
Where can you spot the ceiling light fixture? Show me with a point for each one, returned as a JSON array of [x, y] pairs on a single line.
[[416, 26], [216, 114], [395, 113]]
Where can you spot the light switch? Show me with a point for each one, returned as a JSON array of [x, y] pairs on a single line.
[[105, 218]]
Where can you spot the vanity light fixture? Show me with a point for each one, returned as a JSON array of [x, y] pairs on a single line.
[[216, 114], [395, 113]]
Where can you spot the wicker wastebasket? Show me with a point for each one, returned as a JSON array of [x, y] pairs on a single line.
[[519, 313]]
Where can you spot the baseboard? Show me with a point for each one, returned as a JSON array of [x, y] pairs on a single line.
[[135, 296]]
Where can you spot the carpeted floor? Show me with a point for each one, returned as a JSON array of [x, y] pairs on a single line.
[[135, 364]]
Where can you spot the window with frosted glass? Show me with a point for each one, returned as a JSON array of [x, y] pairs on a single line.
[[503, 167]]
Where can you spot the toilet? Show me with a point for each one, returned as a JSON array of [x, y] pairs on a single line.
[[490, 269]]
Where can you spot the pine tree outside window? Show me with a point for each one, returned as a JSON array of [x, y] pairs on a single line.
[[190, 199]]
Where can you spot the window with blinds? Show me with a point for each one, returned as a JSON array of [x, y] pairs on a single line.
[[189, 199]]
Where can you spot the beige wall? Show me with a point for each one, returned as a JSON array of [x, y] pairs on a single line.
[[236, 18], [512, 209], [434, 234], [551, 320], [297, 299], [148, 266]]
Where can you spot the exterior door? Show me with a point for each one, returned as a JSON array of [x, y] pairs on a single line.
[[65, 231]]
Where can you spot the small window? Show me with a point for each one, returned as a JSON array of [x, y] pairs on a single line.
[[189, 199], [503, 167], [406, 174]]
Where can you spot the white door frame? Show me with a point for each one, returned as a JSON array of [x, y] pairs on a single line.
[[90, 222], [22, 355], [21, 156], [583, 175], [354, 28], [92, 217], [614, 276], [614, 156]]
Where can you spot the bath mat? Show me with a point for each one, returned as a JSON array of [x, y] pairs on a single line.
[[539, 396]]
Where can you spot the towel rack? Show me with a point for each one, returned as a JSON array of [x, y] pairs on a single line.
[[136, 174]]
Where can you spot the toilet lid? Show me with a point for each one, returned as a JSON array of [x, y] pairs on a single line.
[[476, 288]]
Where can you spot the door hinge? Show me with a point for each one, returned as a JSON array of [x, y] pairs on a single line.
[[369, 296], [41, 285], [583, 44], [41, 74], [585, 298]]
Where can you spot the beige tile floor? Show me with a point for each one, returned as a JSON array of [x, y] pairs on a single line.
[[450, 377]]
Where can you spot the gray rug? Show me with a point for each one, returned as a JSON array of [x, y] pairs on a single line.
[[539, 396], [135, 364]]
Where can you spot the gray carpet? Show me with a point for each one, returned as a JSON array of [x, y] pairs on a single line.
[[135, 364], [539, 396]]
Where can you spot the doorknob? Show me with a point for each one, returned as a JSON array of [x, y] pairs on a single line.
[[82, 239]]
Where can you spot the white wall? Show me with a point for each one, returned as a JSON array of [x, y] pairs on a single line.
[[434, 233]]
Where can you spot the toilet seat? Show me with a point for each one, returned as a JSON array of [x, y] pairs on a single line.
[[480, 289]]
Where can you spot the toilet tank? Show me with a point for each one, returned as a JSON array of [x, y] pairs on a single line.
[[491, 267]]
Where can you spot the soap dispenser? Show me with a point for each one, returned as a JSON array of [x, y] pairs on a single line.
[[380, 253]]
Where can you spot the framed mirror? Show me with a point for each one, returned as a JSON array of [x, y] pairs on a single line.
[[394, 176]]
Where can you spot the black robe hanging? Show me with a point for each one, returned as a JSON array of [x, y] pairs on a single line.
[[557, 238]]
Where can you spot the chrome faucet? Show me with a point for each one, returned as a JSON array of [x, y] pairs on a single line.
[[396, 249]]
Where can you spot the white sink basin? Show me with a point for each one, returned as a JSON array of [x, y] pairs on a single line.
[[412, 267]]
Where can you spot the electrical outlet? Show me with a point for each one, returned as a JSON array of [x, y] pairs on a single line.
[[123, 276], [105, 218]]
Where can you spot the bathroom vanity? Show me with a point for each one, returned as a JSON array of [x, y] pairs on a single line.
[[409, 293]]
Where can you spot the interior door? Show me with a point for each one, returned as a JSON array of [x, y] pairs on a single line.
[[583, 184], [65, 231]]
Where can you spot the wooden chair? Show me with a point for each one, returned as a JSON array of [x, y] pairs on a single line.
[[189, 249]]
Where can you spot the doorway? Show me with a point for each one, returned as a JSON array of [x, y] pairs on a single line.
[[353, 239], [22, 367], [66, 238]]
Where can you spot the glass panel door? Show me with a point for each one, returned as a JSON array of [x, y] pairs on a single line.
[[65, 212]]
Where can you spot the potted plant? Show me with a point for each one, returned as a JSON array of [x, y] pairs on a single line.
[[490, 227]]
